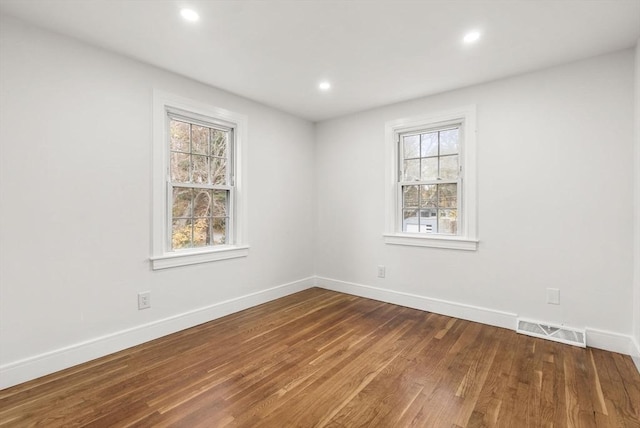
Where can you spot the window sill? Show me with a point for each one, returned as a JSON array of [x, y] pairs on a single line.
[[450, 242], [185, 258]]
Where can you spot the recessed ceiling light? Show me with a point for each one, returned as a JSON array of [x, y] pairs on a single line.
[[190, 15], [471, 37], [324, 86]]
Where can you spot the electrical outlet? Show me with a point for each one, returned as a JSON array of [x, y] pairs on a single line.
[[144, 300], [553, 296], [381, 271]]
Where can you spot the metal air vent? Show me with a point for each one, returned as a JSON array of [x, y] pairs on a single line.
[[562, 334]]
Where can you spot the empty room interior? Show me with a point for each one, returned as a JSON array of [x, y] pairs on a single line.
[[320, 213]]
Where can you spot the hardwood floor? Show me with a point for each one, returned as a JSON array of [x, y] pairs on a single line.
[[325, 359]]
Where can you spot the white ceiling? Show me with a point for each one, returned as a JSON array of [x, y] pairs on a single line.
[[374, 52]]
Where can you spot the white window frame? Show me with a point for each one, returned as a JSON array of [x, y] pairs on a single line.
[[164, 105], [466, 239]]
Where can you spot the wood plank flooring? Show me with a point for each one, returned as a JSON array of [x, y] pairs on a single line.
[[325, 359]]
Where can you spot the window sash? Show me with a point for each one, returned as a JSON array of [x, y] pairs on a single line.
[[459, 207], [199, 120], [403, 183], [213, 124], [229, 235], [419, 131]]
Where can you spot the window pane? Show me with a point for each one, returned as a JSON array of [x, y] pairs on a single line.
[[429, 168], [448, 195], [429, 146], [219, 143], [181, 233], [202, 232], [218, 170], [411, 170], [199, 140], [220, 203], [448, 221], [410, 222], [180, 167], [449, 167], [202, 203], [219, 230], [179, 132], [428, 221], [200, 169], [181, 202], [410, 196], [429, 196], [449, 142], [411, 146]]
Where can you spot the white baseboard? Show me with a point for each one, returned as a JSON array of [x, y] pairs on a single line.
[[609, 341], [635, 353], [443, 307], [39, 365]]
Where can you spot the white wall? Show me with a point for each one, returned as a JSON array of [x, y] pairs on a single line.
[[636, 236], [555, 200], [75, 205]]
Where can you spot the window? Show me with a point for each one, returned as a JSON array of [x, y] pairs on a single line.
[[431, 197], [201, 182], [198, 199], [430, 180]]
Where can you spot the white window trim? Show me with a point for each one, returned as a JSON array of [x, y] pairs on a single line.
[[467, 239], [162, 257]]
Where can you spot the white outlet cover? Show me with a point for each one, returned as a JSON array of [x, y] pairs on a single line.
[[144, 300]]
